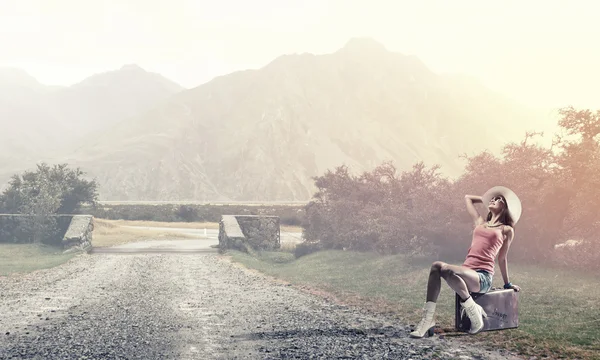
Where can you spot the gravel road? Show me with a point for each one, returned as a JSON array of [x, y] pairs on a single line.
[[191, 305]]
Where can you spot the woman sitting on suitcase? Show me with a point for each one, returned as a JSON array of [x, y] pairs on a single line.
[[491, 237]]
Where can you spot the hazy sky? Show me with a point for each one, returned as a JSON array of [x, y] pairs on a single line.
[[539, 52]]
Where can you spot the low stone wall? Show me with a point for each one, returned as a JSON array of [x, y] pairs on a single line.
[[10, 229], [18, 229], [261, 232], [79, 234], [230, 234], [72, 232], [249, 232]]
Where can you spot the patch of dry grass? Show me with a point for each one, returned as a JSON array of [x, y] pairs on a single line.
[[185, 225], [179, 225], [291, 228], [111, 233]]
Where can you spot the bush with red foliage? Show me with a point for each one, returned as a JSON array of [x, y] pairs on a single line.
[[419, 211]]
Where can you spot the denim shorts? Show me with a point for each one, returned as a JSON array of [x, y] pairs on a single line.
[[485, 281]]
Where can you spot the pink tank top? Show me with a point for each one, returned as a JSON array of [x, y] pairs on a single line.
[[484, 248]]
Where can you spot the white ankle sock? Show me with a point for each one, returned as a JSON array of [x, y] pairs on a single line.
[[469, 301], [430, 306]]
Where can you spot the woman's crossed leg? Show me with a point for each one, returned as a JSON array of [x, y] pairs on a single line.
[[461, 279]]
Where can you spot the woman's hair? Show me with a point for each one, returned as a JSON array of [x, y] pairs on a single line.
[[505, 216]]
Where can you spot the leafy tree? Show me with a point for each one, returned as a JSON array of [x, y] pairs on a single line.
[[379, 210], [48, 190], [45, 192], [529, 170], [419, 211], [579, 160]]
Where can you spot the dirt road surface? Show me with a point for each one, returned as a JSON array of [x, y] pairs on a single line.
[[144, 303]]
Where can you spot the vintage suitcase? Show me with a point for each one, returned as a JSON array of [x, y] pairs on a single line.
[[501, 306]]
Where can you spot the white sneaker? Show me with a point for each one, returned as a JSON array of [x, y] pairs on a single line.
[[427, 323], [475, 314]]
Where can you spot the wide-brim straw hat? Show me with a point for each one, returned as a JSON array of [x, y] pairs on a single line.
[[512, 200]]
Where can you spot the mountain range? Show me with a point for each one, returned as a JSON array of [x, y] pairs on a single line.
[[256, 135], [46, 122]]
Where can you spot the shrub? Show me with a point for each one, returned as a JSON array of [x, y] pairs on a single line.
[[40, 195], [379, 211], [418, 211], [292, 220], [187, 213], [583, 255]]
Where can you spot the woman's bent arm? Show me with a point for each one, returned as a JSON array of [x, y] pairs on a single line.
[[469, 201]]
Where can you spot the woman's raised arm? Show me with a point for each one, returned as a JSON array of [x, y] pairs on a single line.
[[470, 200]]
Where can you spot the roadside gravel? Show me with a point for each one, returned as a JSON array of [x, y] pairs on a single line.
[[191, 306]]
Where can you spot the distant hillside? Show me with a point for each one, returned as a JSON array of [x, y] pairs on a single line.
[[41, 122], [102, 100], [260, 135]]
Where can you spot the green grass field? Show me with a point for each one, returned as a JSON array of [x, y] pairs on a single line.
[[559, 312], [24, 258]]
